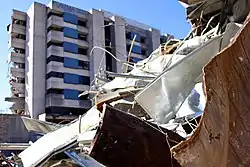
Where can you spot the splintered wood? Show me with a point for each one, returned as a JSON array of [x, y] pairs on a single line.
[[124, 140], [222, 138]]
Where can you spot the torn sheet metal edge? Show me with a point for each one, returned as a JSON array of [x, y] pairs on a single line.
[[169, 97], [59, 138], [83, 160], [125, 140], [222, 137]]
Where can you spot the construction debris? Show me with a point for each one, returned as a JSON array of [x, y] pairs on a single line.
[[221, 138], [125, 140], [184, 105]]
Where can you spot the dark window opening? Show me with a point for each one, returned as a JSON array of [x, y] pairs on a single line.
[[84, 80], [128, 35], [65, 111], [55, 58], [83, 65], [82, 51], [142, 40], [19, 50], [19, 22], [54, 14], [54, 28], [21, 36], [84, 97], [54, 74], [143, 52], [20, 80], [19, 65], [54, 91], [82, 37], [54, 43], [128, 48], [82, 23]]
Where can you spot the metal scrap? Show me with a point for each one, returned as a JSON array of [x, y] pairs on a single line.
[[222, 137], [125, 140]]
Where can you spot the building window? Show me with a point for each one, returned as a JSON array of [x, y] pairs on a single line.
[[130, 35], [70, 32], [143, 52], [134, 59], [50, 43], [82, 37], [70, 47], [55, 58], [70, 18], [54, 74], [71, 78], [19, 50], [135, 49], [84, 80], [142, 40], [54, 28], [70, 63], [54, 14], [54, 91], [21, 80], [21, 36], [19, 22], [83, 65], [82, 51], [71, 94], [18, 65], [82, 23]]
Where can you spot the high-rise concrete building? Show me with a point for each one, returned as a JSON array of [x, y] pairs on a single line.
[[50, 57]]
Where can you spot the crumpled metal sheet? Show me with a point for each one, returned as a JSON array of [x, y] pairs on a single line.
[[173, 86], [58, 140], [33, 125], [222, 138]]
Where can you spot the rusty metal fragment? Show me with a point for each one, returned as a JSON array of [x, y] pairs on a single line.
[[222, 138], [125, 140]]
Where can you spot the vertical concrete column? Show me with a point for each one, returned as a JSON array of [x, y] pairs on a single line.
[[119, 41], [96, 38], [35, 60], [154, 36]]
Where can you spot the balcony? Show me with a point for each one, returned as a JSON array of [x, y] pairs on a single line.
[[16, 42], [15, 99], [56, 36], [20, 105], [83, 44], [82, 29], [55, 20], [16, 28], [59, 84], [18, 15], [58, 100], [20, 87], [16, 57], [17, 72], [55, 50]]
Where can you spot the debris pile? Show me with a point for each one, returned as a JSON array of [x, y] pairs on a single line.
[[185, 105]]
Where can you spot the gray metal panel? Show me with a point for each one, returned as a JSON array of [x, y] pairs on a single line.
[[174, 85]]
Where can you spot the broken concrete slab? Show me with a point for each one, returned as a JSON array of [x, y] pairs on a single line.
[[125, 140], [222, 137]]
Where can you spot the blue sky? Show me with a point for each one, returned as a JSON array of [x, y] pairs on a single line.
[[167, 15]]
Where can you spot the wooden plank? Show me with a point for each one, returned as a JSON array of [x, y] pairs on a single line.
[[124, 140], [222, 138]]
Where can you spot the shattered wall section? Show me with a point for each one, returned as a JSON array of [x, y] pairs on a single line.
[[224, 132]]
